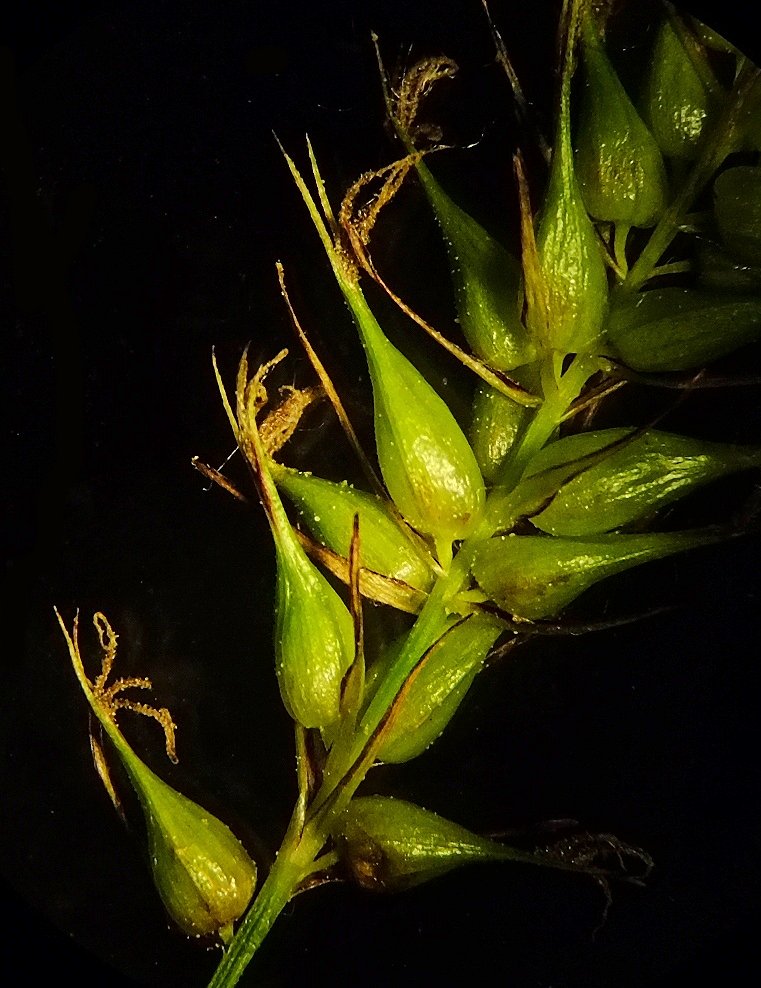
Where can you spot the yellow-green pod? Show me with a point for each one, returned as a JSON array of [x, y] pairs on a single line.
[[676, 104], [496, 425], [427, 465], [487, 283], [535, 577], [328, 509], [201, 870], [737, 208], [389, 844], [435, 693], [671, 329], [632, 480], [570, 257], [314, 637], [314, 631], [618, 162]]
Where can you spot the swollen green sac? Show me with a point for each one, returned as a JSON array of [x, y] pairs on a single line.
[[328, 511], [570, 256], [437, 690], [618, 162], [390, 844], [314, 638], [426, 462], [201, 870], [611, 480], [672, 329], [536, 576], [486, 280], [737, 208], [676, 103], [496, 425]]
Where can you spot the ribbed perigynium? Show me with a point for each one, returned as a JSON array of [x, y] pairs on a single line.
[[737, 208], [671, 329], [202, 872], [389, 844], [426, 461], [534, 576], [437, 689], [569, 253], [618, 162], [486, 281], [314, 631], [428, 467], [496, 425], [328, 509], [633, 479], [676, 103]]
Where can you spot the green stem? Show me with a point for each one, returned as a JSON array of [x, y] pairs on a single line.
[[293, 862]]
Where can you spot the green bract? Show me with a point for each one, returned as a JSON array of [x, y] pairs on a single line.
[[676, 102], [536, 577], [428, 467], [328, 511], [618, 162], [669, 329]]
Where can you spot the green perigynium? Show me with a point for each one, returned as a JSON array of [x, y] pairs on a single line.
[[328, 510], [674, 329], [676, 102], [618, 162], [427, 464], [484, 532], [314, 632], [202, 872]]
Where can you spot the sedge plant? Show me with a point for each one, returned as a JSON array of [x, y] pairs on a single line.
[[481, 533]]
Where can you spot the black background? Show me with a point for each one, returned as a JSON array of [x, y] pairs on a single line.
[[147, 204]]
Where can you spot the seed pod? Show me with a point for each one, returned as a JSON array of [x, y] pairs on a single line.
[[314, 631], [201, 870], [328, 511], [671, 329], [618, 162], [390, 844], [314, 638], [633, 480], [496, 426], [535, 577], [437, 690], [570, 258], [719, 271], [486, 280], [676, 104], [426, 462], [737, 208]]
